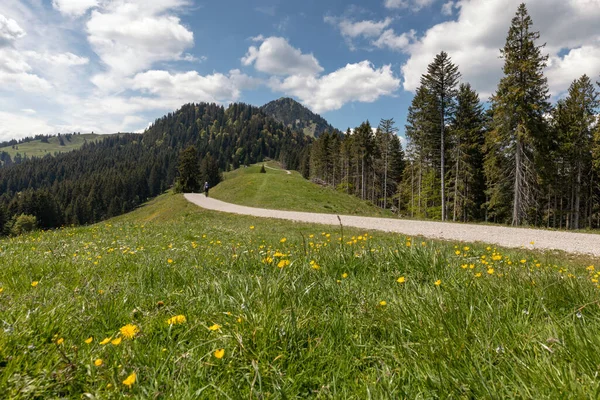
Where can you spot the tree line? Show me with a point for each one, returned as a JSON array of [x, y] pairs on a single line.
[[115, 175], [517, 160]]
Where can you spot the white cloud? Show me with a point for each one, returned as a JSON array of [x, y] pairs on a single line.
[[390, 40], [276, 56], [364, 28], [473, 41], [354, 82], [59, 59], [447, 8], [16, 126], [130, 37], [192, 87], [9, 30], [415, 5], [74, 8]]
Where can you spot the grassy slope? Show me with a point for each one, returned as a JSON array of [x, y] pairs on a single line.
[[38, 149], [524, 329], [278, 190]]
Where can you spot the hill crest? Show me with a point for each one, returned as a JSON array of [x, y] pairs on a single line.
[[296, 116]]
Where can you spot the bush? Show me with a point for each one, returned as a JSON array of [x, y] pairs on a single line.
[[22, 224]]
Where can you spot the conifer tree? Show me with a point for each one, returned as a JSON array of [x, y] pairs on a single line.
[[440, 81], [519, 106], [468, 137], [189, 170]]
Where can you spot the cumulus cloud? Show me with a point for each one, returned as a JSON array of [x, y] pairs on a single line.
[[191, 86], [474, 38], [16, 126], [415, 5], [448, 8], [366, 28], [130, 37], [277, 57], [74, 8], [67, 59], [390, 40], [355, 82], [9, 30]]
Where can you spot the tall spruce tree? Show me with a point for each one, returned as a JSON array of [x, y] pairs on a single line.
[[519, 106], [441, 80], [189, 170], [468, 128], [384, 136]]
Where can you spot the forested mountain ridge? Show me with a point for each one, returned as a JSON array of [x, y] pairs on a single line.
[[293, 114], [119, 173]]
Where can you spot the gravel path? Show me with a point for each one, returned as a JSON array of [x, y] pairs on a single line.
[[581, 243]]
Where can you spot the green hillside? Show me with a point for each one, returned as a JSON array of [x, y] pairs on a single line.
[[277, 190], [37, 148], [172, 301]]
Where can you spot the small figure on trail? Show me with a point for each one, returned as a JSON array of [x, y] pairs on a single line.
[[206, 189]]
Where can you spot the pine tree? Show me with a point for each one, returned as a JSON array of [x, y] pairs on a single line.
[[189, 170], [441, 80], [519, 106], [385, 133], [468, 136]]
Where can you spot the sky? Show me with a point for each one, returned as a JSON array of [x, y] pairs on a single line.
[[116, 65]]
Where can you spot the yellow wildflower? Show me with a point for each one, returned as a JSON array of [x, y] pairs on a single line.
[[401, 279], [89, 340], [478, 275], [34, 283], [214, 327], [98, 362], [219, 353], [438, 282], [116, 341], [105, 341], [283, 263], [283, 240], [1, 289], [178, 319], [457, 252], [130, 380], [490, 271], [344, 275], [383, 303], [60, 341], [170, 261], [252, 227], [129, 331]]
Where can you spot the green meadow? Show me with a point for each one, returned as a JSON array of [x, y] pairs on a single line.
[[37, 148], [276, 189], [172, 301]]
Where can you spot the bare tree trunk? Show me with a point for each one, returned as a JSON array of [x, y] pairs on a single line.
[[516, 220], [577, 197], [456, 181]]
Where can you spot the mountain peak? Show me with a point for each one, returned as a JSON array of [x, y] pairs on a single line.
[[293, 114]]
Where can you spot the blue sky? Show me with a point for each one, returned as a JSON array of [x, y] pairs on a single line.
[[116, 65]]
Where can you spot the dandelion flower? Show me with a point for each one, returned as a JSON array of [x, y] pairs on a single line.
[[60, 341], [116, 341], [176, 320], [252, 227], [383, 303], [344, 275], [129, 331], [401, 279], [283, 263], [438, 282], [214, 327], [170, 261], [130, 380], [105, 341], [283, 240], [34, 283], [490, 271], [219, 353], [478, 275], [89, 340], [98, 362], [316, 266], [1, 289]]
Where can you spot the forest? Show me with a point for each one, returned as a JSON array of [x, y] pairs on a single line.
[[117, 174], [514, 160]]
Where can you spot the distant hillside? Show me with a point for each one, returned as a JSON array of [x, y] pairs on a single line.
[[109, 177], [293, 114], [49, 145]]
